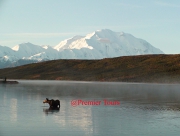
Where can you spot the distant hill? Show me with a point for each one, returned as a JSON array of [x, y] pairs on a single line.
[[143, 68], [96, 45]]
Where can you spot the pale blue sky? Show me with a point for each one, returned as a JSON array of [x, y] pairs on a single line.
[[47, 22]]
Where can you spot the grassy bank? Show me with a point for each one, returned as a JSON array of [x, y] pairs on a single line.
[[143, 68]]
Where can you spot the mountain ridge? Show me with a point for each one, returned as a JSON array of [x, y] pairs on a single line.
[[100, 44]]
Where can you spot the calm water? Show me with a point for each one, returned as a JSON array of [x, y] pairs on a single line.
[[144, 110]]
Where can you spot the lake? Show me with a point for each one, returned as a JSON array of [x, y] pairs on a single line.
[[89, 109]]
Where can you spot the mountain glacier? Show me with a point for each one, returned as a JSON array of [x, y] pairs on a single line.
[[97, 45]]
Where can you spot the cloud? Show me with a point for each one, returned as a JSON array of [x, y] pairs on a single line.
[[37, 35], [165, 4], [11, 39], [130, 5]]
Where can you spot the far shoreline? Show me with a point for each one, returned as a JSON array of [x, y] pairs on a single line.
[[86, 81], [9, 82], [164, 69]]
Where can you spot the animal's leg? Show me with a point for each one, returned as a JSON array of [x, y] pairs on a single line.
[[59, 103]]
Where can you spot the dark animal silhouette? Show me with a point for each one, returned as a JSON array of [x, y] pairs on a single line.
[[52, 103]]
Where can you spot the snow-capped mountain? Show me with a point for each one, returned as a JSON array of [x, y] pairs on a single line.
[[97, 45], [105, 44]]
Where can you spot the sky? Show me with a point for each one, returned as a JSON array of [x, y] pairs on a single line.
[[48, 22]]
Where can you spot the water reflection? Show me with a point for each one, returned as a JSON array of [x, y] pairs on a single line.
[[145, 109], [122, 91], [50, 110], [4, 99], [13, 107]]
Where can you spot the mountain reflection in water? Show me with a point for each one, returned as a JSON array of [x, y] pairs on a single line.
[[145, 109]]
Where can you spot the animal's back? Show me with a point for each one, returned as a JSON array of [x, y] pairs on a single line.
[[58, 103]]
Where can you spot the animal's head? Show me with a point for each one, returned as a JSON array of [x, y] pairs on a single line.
[[46, 100]]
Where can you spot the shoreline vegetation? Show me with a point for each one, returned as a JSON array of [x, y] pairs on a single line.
[[4, 81], [143, 68]]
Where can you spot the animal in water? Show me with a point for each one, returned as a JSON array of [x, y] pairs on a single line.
[[52, 103]]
